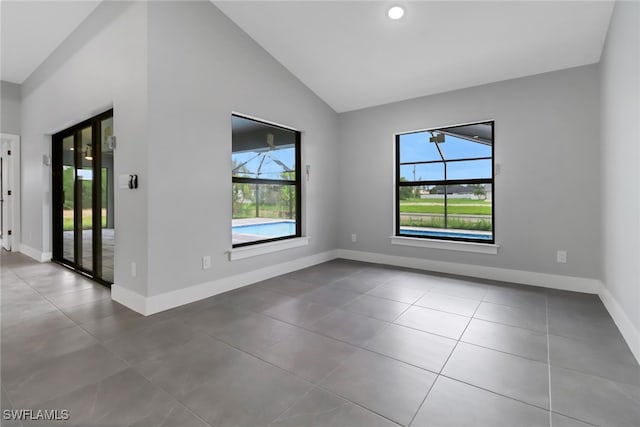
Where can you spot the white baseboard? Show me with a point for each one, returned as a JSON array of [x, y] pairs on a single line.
[[622, 321], [157, 303], [554, 281], [35, 254], [567, 283], [129, 298]]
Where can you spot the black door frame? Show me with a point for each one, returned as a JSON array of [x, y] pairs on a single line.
[[96, 197]]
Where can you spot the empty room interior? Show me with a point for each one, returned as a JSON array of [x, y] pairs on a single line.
[[320, 213]]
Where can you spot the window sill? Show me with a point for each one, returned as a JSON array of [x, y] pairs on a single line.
[[266, 248], [481, 248]]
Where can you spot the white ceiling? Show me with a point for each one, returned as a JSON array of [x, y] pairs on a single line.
[[351, 55], [32, 30]]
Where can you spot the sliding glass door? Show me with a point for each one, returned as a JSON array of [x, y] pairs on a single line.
[[83, 182]]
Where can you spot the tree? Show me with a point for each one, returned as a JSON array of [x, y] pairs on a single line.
[[68, 174], [241, 193], [287, 196], [405, 192], [479, 191]]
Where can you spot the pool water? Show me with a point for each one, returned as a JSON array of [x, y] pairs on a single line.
[[288, 228], [429, 233], [270, 229]]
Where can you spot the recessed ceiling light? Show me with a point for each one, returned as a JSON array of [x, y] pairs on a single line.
[[395, 12]]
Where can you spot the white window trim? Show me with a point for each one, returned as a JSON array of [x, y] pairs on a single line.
[[450, 245], [243, 252]]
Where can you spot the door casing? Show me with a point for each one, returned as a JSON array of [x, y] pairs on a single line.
[[10, 211]]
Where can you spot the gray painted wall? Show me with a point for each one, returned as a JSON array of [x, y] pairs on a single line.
[[173, 72], [103, 63], [621, 156], [10, 108], [201, 68], [547, 195]]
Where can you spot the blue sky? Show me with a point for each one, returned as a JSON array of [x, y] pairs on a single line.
[[270, 168], [416, 147], [413, 147]]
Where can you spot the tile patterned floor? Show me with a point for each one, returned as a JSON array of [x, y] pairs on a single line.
[[86, 260], [340, 344]]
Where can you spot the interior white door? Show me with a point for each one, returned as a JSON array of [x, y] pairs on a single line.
[[6, 195], [10, 210]]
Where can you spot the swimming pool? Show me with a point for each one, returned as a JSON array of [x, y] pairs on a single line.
[[288, 228], [430, 233], [270, 229]]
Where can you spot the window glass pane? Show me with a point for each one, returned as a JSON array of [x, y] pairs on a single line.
[[68, 197], [458, 148], [465, 213], [460, 211], [262, 151], [469, 208], [469, 169], [422, 172], [265, 183], [107, 201], [421, 208], [85, 178], [263, 211], [467, 141], [415, 147]]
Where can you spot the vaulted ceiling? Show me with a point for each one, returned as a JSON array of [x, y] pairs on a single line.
[[352, 55], [32, 30]]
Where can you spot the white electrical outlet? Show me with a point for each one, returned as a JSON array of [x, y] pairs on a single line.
[[562, 257], [134, 269], [206, 262], [354, 238]]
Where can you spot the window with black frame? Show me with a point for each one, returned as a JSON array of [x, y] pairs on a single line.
[[265, 182], [445, 183]]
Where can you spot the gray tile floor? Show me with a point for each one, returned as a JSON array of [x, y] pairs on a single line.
[[341, 344], [108, 246]]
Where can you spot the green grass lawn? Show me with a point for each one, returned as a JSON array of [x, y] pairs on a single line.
[[453, 208], [450, 201], [266, 211], [67, 223], [481, 225]]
